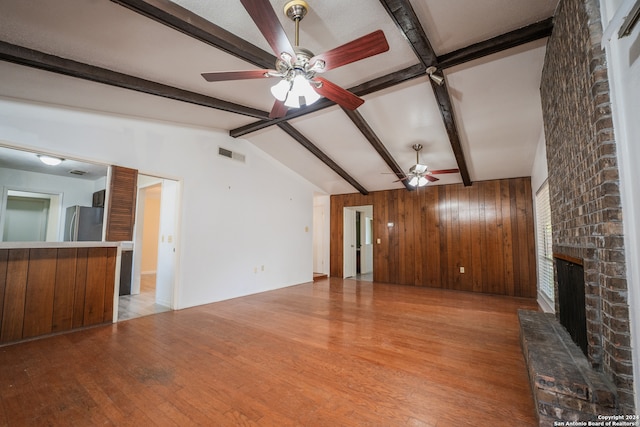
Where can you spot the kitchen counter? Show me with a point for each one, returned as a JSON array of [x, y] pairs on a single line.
[[39, 245], [53, 287]]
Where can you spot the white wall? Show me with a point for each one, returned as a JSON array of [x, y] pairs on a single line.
[[623, 58], [74, 191], [539, 171], [322, 233], [243, 228]]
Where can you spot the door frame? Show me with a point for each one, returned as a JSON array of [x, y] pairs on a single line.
[[149, 180], [349, 242], [349, 235], [54, 218]]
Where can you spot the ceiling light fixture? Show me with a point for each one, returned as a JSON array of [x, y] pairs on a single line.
[[297, 72], [418, 171], [438, 79], [49, 160], [290, 90]]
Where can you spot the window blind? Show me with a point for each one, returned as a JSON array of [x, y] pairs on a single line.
[[544, 238]]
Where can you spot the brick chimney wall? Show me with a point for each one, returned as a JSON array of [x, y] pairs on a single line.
[[584, 184]]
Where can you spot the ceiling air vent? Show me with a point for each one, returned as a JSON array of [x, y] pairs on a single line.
[[77, 172], [231, 154]]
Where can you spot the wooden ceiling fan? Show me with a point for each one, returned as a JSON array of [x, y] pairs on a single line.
[[298, 67]]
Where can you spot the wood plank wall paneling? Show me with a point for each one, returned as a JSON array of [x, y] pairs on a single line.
[[54, 289], [122, 204], [4, 253], [80, 291], [486, 228], [109, 285], [14, 295], [41, 281], [62, 319], [94, 296]]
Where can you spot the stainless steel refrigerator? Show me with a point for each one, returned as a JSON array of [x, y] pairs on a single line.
[[83, 223]]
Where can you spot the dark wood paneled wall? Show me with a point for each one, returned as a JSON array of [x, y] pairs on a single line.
[[486, 228], [122, 204], [46, 290]]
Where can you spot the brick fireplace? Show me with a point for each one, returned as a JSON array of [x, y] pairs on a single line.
[[571, 300], [584, 186]]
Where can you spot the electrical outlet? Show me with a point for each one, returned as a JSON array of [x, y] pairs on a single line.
[[262, 268], [462, 270]]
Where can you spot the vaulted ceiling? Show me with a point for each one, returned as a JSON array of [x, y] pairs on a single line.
[[144, 58]]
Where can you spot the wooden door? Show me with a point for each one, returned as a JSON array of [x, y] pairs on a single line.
[[122, 204]]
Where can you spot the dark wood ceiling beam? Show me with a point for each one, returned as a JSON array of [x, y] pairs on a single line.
[[405, 18], [536, 31], [306, 143], [33, 58], [512, 39], [187, 22], [373, 139], [446, 110], [407, 21]]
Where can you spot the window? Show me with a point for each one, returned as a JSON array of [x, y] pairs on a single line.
[[545, 249]]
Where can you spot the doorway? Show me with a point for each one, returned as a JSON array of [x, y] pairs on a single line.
[[321, 227], [154, 255], [29, 216], [358, 242]]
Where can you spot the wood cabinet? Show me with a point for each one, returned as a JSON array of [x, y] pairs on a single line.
[[54, 289]]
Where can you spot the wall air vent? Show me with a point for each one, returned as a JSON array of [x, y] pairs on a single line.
[[231, 154], [78, 172]]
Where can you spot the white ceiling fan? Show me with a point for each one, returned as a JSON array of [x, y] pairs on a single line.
[[419, 174]]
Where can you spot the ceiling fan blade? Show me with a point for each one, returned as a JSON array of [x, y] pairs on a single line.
[[237, 75], [364, 47], [431, 178], [441, 171], [278, 110], [267, 22], [340, 96]]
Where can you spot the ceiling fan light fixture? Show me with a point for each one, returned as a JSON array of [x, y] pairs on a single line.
[[418, 181], [309, 94], [50, 160], [298, 88], [281, 89], [292, 101]]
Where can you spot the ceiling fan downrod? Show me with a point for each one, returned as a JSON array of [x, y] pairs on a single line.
[[417, 147], [296, 10]]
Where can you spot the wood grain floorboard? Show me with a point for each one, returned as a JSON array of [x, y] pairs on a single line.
[[329, 353]]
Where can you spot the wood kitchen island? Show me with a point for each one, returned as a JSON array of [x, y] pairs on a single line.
[[52, 287]]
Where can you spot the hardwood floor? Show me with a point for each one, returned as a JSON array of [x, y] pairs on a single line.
[[330, 353]]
